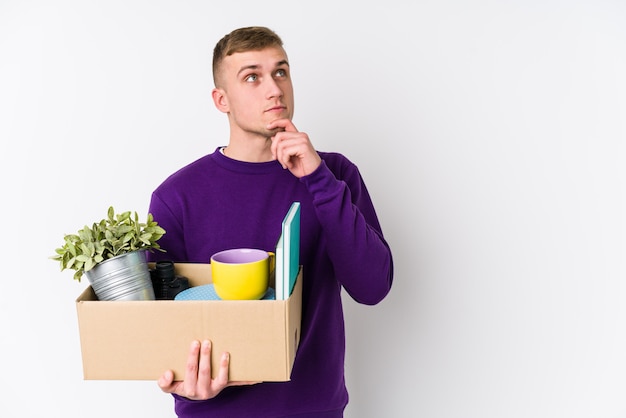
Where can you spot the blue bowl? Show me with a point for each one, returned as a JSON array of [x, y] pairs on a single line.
[[207, 292]]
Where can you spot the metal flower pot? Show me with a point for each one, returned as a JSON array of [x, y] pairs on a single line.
[[124, 277]]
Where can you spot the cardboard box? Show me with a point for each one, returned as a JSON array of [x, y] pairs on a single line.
[[139, 340]]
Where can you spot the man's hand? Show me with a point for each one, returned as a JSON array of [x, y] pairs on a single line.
[[198, 384], [293, 149]]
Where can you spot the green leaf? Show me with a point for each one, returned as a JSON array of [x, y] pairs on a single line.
[[116, 234]]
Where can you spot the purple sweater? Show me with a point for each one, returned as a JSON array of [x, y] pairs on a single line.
[[217, 203]]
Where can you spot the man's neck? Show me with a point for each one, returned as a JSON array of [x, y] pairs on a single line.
[[249, 150]]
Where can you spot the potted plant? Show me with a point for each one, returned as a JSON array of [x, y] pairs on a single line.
[[112, 254]]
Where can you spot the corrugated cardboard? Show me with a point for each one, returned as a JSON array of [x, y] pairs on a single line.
[[139, 340]]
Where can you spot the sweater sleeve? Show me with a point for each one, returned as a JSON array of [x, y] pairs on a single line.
[[173, 240], [360, 255]]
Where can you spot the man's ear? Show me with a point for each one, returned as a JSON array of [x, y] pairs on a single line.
[[220, 100]]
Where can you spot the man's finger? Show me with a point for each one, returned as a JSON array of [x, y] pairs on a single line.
[[285, 124], [221, 379], [204, 365], [166, 380], [191, 372]]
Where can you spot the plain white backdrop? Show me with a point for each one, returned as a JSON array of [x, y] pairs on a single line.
[[491, 135]]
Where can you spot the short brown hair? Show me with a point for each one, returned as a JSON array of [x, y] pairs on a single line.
[[251, 38]]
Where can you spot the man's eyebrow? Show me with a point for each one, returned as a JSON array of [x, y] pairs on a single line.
[[247, 67], [256, 66]]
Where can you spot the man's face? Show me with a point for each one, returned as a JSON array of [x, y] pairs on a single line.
[[257, 89]]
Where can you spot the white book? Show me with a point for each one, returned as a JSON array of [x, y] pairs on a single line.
[[279, 264]]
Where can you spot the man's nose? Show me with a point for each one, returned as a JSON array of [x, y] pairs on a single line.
[[273, 89]]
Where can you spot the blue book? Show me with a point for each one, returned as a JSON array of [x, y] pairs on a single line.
[[288, 253]]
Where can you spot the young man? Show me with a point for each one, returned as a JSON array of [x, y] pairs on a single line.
[[237, 196]]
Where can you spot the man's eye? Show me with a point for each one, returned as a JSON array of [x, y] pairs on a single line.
[[251, 78], [281, 73]]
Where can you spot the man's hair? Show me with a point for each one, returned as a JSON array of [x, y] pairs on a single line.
[[251, 38]]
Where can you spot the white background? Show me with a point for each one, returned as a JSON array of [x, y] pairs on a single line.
[[491, 135]]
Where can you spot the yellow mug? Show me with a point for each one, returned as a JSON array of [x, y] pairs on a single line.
[[242, 273]]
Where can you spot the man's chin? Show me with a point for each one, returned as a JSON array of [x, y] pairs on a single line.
[[272, 132]]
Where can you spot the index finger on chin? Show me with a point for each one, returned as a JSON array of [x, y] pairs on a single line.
[[285, 124]]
